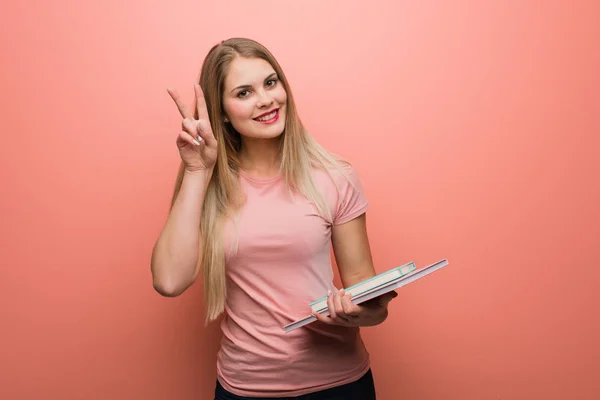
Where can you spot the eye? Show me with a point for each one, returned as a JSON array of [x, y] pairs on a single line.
[[243, 93], [271, 82]]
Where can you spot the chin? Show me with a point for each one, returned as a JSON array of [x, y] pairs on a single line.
[[270, 135]]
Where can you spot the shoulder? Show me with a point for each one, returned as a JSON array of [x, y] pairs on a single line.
[[337, 178], [343, 190]]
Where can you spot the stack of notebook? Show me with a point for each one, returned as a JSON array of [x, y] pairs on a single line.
[[371, 288]]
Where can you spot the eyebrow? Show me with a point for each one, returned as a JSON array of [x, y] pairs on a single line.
[[274, 74]]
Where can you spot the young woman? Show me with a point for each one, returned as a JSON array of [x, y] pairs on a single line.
[[257, 207]]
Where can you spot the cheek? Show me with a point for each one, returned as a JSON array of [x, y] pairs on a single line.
[[237, 109], [281, 96]]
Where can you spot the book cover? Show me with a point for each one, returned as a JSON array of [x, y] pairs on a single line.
[[369, 284], [375, 292]]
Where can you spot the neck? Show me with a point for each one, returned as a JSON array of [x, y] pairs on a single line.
[[261, 157]]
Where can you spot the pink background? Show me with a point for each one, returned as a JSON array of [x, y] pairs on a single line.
[[474, 125]]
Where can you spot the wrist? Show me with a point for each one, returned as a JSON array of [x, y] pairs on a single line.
[[202, 173]]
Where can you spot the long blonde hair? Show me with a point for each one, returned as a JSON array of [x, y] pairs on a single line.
[[299, 153]]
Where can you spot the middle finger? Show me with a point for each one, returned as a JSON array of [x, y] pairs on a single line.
[[183, 110], [337, 304]]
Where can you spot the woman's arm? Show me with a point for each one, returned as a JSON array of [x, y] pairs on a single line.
[[175, 257], [355, 263], [352, 251]]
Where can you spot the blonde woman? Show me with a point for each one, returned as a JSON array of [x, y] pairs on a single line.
[[258, 205]]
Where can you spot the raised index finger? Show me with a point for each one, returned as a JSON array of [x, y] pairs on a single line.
[[200, 103], [183, 110]]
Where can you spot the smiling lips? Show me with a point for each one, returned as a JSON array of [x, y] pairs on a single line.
[[268, 118]]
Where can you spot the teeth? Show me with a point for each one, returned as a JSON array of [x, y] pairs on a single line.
[[268, 117]]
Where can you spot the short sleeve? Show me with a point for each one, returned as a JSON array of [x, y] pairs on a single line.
[[351, 200]]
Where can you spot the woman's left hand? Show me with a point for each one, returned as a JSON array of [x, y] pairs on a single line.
[[343, 312]]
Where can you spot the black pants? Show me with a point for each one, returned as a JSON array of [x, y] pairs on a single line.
[[362, 389]]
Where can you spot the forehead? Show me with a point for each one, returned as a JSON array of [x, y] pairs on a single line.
[[247, 71]]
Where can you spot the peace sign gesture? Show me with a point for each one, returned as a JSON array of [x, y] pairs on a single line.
[[196, 143]]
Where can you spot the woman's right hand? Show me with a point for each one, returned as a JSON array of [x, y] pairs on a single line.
[[196, 143]]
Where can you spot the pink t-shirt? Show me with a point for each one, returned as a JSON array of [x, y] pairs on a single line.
[[283, 263]]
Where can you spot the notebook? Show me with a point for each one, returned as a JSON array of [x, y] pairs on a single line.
[[376, 290], [372, 283]]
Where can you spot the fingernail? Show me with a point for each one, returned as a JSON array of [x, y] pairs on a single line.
[[329, 293], [196, 143], [342, 292]]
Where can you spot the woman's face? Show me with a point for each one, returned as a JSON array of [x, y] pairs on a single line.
[[254, 99]]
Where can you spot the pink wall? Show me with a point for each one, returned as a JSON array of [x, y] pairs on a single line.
[[473, 124]]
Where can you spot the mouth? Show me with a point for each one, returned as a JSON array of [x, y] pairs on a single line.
[[268, 117]]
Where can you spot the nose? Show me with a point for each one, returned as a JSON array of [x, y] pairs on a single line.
[[263, 99]]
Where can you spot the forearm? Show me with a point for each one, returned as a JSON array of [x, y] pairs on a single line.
[[360, 275], [175, 257]]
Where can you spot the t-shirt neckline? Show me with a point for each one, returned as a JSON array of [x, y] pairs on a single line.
[[258, 179]]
